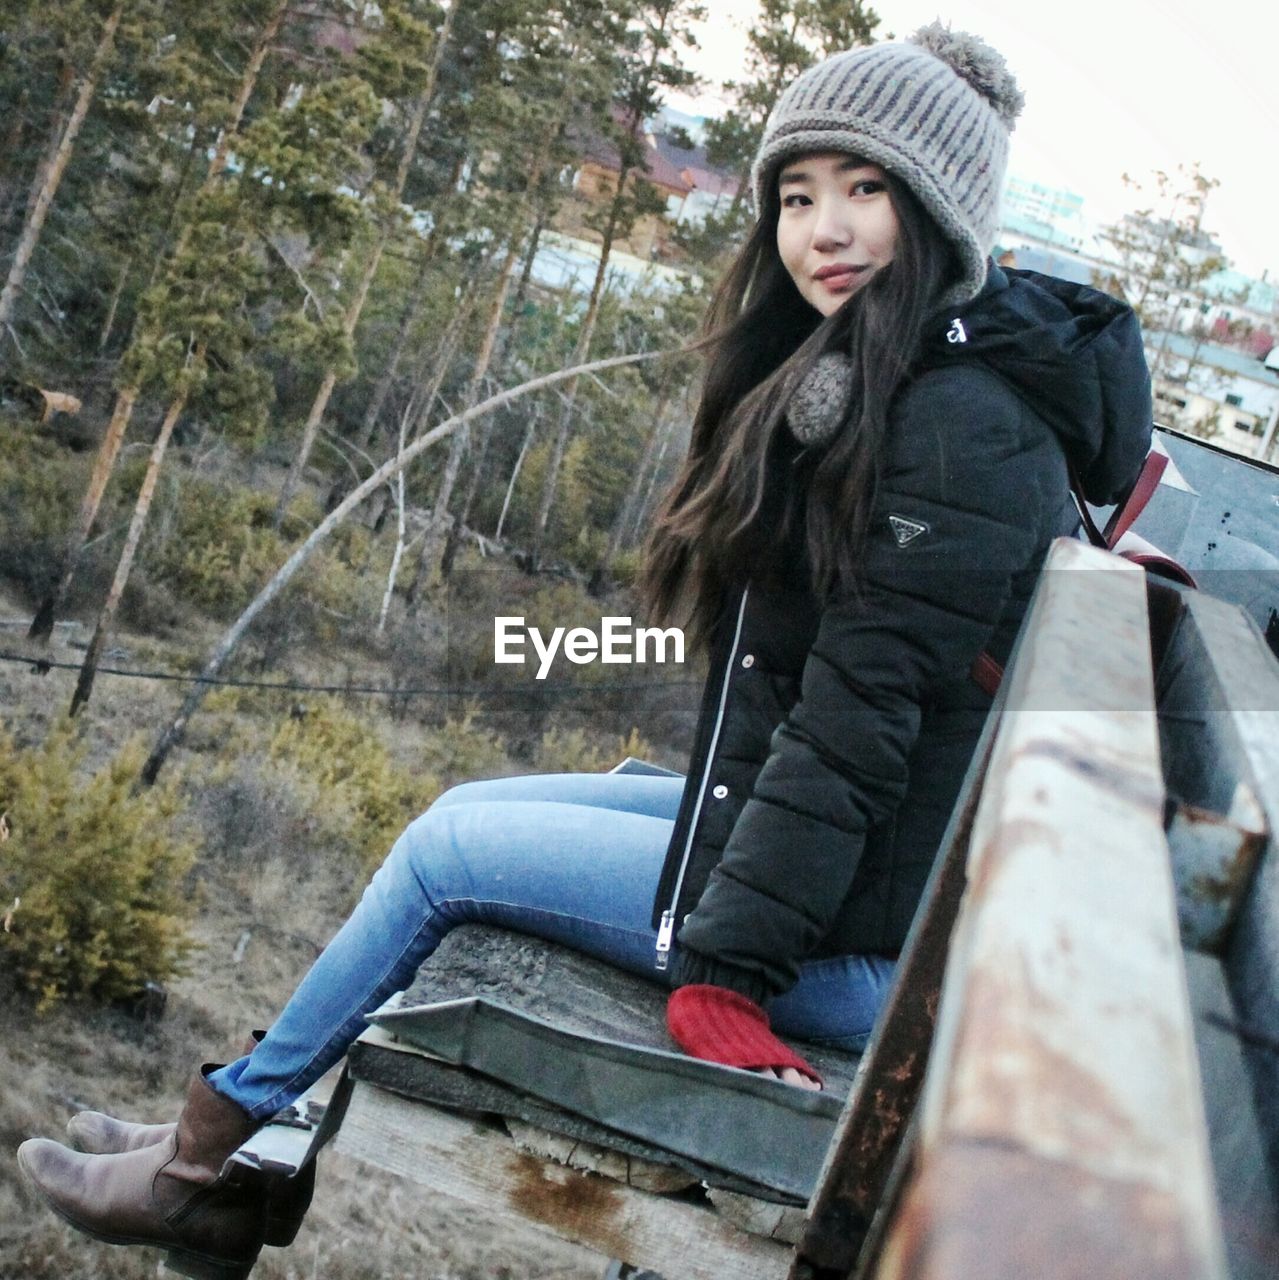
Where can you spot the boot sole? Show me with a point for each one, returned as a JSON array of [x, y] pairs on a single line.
[[199, 1266]]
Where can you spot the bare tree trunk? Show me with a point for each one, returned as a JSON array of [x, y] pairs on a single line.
[[39, 211], [373, 411], [226, 647], [400, 528], [8, 150], [109, 323], [454, 539], [508, 342], [360, 297], [529, 433], [626, 513], [521, 289], [42, 623], [141, 508], [580, 352], [645, 504], [439, 513], [127, 396], [442, 359]]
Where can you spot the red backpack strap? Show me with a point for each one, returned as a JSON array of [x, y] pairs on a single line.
[[1161, 566], [1134, 504], [1130, 506], [987, 673]]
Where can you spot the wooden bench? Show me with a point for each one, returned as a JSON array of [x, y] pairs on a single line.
[[1076, 1071]]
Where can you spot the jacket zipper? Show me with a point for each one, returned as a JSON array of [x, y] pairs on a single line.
[[666, 929]]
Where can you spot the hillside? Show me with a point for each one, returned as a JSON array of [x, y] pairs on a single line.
[[287, 799]]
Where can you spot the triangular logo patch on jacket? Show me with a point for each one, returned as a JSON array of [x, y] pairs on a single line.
[[904, 530]]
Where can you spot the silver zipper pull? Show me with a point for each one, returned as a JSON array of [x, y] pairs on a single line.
[[665, 932]]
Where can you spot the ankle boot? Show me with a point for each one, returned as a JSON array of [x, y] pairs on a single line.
[[288, 1199], [172, 1194]]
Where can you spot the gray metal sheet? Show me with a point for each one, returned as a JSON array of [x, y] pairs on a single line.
[[762, 1129], [1223, 525], [422, 1078]]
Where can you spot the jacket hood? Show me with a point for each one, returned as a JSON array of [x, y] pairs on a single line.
[[1074, 354]]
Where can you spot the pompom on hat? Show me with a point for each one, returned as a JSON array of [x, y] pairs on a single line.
[[935, 111]]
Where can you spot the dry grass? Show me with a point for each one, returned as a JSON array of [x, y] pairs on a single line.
[[260, 854], [363, 1223]]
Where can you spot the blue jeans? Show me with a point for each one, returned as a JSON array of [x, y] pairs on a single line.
[[573, 858]]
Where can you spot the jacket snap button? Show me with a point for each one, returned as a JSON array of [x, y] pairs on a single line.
[[720, 792], [748, 660]]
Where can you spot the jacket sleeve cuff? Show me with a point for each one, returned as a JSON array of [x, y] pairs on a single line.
[[692, 967]]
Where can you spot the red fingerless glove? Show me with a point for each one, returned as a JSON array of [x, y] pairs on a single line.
[[719, 1025]]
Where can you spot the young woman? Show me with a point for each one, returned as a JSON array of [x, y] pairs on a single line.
[[879, 462]]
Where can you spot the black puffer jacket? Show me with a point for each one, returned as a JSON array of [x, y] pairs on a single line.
[[833, 737]]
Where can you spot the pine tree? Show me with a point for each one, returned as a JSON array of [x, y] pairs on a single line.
[[787, 37], [649, 68], [50, 175], [291, 162], [407, 35], [130, 389]]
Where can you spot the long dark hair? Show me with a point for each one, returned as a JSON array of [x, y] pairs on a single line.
[[762, 338]]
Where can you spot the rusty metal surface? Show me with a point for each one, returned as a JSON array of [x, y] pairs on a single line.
[[1060, 1130], [971, 1196], [1213, 857]]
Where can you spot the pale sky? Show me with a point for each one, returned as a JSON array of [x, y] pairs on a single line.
[[1113, 86]]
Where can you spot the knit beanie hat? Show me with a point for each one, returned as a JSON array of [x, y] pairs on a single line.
[[935, 111]]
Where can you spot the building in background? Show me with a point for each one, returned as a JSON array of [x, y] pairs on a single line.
[[1218, 393], [675, 164], [1045, 217], [1240, 311]]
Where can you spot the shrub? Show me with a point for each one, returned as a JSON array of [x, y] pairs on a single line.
[[459, 750], [91, 874], [358, 786], [42, 485], [218, 547], [579, 751], [214, 547]]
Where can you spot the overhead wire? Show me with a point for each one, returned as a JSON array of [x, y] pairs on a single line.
[[41, 666]]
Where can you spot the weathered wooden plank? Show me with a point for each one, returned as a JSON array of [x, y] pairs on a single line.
[[1061, 1129], [473, 1161], [782, 1222], [647, 1175]]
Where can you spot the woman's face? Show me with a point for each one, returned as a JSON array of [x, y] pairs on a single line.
[[836, 228]]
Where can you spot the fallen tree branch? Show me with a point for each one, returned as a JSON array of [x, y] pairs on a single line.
[[176, 730]]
